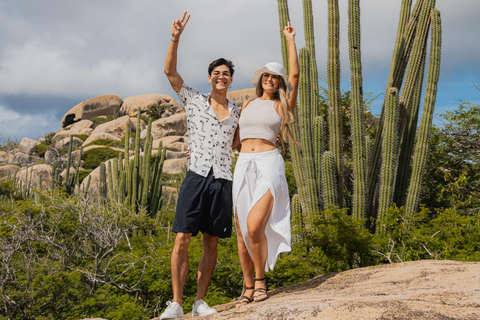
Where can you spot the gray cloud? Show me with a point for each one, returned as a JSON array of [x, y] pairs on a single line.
[[70, 51]]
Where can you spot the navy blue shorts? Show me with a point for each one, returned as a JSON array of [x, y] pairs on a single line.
[[204, 204]]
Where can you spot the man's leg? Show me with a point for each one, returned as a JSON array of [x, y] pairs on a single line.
[[206, 265], [179, 264]]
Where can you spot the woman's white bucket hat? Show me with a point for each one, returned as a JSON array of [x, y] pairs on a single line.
[[272, 68]]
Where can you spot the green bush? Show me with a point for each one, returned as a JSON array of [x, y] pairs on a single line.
[[102, 142], [82, 174], [82, 137], [94, 157], [444, 234], [41, 148], [339, 242], [155, 112], [98, 121], [49, 138]]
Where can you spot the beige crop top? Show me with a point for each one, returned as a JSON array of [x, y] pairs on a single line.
[[260, 120]]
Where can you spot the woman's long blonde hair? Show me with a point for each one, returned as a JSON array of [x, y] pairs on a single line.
[[287, 114]]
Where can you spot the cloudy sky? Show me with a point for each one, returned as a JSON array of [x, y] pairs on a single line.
[[55, 54]]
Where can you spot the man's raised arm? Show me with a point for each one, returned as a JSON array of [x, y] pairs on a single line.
[[170, 68]]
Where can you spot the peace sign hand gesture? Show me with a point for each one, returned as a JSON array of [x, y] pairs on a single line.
[[179, 25], [289, 33]]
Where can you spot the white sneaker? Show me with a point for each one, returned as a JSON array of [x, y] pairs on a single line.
[[201, 308], [173, 311]]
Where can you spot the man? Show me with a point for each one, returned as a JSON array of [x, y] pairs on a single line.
[[205, 198]]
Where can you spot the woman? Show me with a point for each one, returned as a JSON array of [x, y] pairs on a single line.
[[260, 191]]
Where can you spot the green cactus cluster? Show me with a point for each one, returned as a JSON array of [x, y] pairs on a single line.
[[134, 182], [380, 173]]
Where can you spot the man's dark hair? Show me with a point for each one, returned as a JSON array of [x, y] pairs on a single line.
[[221, 62]]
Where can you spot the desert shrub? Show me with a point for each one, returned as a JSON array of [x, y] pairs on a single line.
[[102, 142], [41, 148], [82, 137], [98, 121], [94, 157], [49, 138], [155, 111], [82, 174], [337, 241], [443, 234], [8, 145]]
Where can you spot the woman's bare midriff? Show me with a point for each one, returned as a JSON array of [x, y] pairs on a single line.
[[256, 146]]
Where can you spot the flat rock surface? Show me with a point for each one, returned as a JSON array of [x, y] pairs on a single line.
[[425, 289]]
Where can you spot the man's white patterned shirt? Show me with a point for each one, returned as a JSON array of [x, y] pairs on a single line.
[[209, 139]]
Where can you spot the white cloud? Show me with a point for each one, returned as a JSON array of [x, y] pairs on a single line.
[[39, 69], [83, 49], [17, 126]]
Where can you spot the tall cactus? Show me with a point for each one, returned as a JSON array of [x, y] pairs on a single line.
[[284, 18], [410, 100], [305, 119], [389, 152], [358, 114], [334, 95], [131, 181], [310, 44], [424, 131], [329, 179], [377, 166]]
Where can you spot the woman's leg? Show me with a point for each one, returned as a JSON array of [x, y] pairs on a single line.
[[256, 222], [246, 263]]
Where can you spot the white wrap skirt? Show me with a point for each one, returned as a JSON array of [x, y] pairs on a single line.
[[255, 174]]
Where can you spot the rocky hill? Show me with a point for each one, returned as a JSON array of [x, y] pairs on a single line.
[[418, 290], [99, 125], [413, 290]]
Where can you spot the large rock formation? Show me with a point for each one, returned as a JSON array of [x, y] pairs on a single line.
[[101, 135], [144, 102], [8, 170], [412, 290], [175, 125], [117, 127], [239, 96], [28, 146], [36, 172], [100, 106], [83, 127]]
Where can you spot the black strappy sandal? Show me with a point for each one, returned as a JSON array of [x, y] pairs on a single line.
[[262, 291], [244, 300]]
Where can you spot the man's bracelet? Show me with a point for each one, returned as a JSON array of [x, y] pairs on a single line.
[[291, 44], [173, 40]]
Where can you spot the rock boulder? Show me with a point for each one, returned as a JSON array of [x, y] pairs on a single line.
[[28, 146], [101, 135], [104, 105], [117, 127], [175, 125], [143, 102], [8, 170], [34, 172], [240, 96]]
